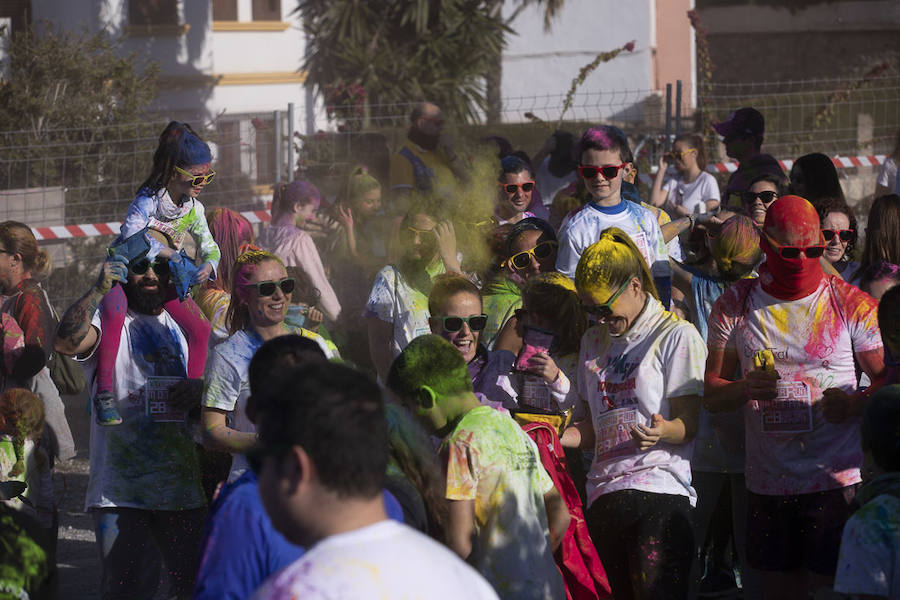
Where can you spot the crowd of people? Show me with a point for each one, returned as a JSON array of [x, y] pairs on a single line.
[[582, 394]]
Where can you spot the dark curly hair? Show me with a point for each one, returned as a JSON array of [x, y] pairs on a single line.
[[830, 204]]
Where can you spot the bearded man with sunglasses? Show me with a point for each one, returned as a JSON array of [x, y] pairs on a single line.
[[794, 333], [144, 485]]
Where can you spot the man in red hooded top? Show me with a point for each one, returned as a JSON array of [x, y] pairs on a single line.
[[802, 412]]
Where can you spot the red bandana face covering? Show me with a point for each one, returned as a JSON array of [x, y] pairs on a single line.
[[793, 219]]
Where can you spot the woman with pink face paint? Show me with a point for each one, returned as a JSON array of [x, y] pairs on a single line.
[[292, 205], [260, 295]]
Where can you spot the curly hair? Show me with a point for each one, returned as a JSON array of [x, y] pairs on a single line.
[[830, 204]]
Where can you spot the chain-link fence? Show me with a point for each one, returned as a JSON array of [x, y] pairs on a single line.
[[82, 178]]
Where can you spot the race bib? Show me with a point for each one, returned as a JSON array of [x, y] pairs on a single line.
[[156, 399], [790, 411], [613, 431], [640, 240], [536, 394]]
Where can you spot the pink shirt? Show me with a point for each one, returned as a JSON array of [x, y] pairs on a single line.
[[297, 249], [791, 449]]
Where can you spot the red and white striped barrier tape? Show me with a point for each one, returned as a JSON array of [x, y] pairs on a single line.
[[62, 232], [840, 162]]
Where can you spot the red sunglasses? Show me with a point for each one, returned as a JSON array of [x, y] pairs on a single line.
[[608, 171], [794, 252], [511, 188], [845, 235]]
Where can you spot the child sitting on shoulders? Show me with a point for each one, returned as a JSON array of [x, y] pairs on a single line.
[[164, 212]]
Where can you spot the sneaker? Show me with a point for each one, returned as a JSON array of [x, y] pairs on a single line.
[[105, 411]]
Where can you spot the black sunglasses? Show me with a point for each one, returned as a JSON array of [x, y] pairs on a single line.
[[267, 288], [767, 197], [794, 252], [454, 324], [160, 266], [845, 235]]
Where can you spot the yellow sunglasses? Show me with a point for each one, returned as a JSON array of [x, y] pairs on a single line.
[[197, 180]]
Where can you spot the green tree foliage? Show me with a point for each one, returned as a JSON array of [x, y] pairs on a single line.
[[401, 51], [73, 114]]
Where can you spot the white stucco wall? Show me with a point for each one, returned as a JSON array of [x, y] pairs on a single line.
[[542, 64]]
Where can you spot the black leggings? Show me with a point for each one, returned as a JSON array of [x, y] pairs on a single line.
[[645, 541]]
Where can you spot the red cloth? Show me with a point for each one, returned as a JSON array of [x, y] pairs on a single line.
[[582, 572], [790, 221]]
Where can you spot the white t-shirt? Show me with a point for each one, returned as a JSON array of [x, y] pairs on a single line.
[[692, 196], [142, 463], [227, 384], [395, 301], [585, 227], [887, 175], [627, 379], [492, 461], [791, 449], [550, 184], [869, 561], [384, 560]]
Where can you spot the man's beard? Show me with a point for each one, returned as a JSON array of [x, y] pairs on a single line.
[[423, 140], [144, 301]]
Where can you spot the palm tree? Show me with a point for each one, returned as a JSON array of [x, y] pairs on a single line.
[[401, 51]]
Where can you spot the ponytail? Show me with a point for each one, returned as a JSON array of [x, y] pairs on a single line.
[[610, 262]]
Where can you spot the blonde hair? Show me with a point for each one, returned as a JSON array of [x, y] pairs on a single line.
[[17, 238], [22, 410], [553, 295], [359, 182], [610, 262], [238, 315], [736, 250]]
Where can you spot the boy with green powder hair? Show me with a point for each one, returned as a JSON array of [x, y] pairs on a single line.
[[506, 517]]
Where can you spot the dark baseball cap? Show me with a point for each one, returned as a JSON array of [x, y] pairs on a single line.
[[743, 121]]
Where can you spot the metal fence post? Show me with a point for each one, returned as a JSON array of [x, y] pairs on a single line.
[[277, 143], [677, 108], [290, 148], [668, 115]]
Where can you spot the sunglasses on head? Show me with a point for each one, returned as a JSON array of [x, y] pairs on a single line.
[[160, 266], [794, 252], [767, 197], [267, 288], [197, 180], [607, 171], [415, 231], [682, 153], [543, 250], [845, 235], [604, 311], [454, 324], [511, 188]]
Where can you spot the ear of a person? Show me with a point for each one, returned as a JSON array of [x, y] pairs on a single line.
[[425, 397]]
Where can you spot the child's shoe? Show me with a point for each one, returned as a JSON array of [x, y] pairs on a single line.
[[105, 411]]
